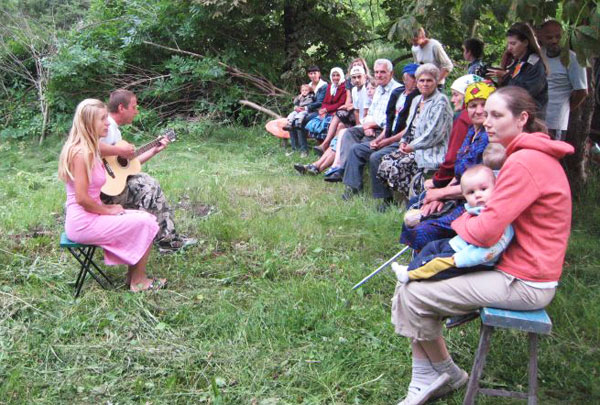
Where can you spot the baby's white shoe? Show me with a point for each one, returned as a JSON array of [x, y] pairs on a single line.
[[401, 272]]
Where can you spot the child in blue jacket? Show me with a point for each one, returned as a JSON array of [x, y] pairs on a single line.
[[446, 258]]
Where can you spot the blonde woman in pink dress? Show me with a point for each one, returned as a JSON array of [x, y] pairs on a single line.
[[125, 235]]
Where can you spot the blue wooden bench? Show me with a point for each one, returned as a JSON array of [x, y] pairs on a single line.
[[533, 322], [84, 254]]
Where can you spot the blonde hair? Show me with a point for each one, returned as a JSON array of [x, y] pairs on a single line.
[[82, 139], [494, 156]]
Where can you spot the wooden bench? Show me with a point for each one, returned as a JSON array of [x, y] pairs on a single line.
[[84, 254], [533, 322]]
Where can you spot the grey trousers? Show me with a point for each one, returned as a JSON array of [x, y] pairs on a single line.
[[356, 161], [351, 137]]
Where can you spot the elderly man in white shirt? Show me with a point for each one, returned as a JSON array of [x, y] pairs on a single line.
[[375, 121]]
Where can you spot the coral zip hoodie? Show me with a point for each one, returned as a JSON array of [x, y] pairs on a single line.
[[532, 193]]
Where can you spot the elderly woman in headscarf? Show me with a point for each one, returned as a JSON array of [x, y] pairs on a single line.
[[425, 138], [335, 97], [443, 205], [445, 173]]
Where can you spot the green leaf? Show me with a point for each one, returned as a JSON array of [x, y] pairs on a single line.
[[589, 31]]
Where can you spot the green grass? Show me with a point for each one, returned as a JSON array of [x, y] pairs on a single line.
[[261, 311]]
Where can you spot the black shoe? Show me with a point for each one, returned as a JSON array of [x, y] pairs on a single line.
[[318, 150], [349, 193], [458, 320], [335, 177], [300, 168], [384, 205], [312, 169]]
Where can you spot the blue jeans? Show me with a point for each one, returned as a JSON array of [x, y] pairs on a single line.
[[298, 134]]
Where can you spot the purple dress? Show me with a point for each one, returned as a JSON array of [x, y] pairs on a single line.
[[124, 238]]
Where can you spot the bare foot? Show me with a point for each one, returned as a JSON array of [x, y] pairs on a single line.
[[149, 284]]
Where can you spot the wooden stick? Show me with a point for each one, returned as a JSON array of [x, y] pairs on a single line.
[[397, 255], [260, 108]]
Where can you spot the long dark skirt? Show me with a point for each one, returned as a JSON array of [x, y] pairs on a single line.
[[430, 230]]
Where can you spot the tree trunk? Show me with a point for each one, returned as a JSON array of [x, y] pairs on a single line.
[[43, 109], [580, 122], [45, 118], [290, 35]]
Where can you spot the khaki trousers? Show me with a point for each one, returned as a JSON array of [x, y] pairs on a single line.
[[419, 307]]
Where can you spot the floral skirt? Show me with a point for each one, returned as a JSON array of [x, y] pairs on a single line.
[[398, 170]]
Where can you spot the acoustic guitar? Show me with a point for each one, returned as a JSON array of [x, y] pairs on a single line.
[[119, 168]]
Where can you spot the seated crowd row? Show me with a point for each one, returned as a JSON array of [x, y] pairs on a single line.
[[411, 130]]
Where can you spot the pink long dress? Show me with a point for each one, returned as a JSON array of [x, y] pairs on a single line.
[[124, 238]]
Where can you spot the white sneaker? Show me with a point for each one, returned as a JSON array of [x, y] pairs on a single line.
[[452, 385], [421, 396], [401, 272]]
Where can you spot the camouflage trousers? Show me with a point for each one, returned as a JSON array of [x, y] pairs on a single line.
[[144, 193]]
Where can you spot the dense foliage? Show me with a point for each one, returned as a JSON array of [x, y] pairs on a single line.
[[200, 57], [113, 43]]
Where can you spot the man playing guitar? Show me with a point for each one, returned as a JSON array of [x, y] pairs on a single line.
[[142, 192]]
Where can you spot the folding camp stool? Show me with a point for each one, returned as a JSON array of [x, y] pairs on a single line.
[[533, 322], [85, 256]]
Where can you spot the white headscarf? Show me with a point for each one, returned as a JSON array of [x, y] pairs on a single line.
[[334, 87]]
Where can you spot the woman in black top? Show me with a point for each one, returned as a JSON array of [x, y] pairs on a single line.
[[523, 65]]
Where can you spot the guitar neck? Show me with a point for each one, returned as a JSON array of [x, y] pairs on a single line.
[[146, 147]]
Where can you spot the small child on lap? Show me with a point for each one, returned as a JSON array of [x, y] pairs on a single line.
[[446, 258], [305, 97]]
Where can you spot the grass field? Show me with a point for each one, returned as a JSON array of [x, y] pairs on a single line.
[[261, 311]]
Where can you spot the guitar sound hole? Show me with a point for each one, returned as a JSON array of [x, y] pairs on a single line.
[[122, 161]]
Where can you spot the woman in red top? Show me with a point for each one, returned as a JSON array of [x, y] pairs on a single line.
[[335, 97], [532, 193]]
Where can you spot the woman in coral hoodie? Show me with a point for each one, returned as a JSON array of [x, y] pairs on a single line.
[[532, 193]]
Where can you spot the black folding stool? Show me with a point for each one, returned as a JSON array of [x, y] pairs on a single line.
[[85, 256]]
